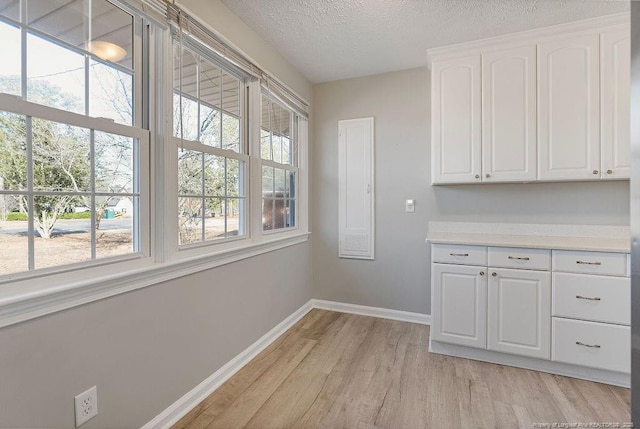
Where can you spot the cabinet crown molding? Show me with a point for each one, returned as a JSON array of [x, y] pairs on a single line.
[[525, 37]]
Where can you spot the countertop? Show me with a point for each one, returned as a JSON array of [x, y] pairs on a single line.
[[603, 238]]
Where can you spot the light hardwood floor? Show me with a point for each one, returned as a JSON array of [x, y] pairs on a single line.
[[335, 370]]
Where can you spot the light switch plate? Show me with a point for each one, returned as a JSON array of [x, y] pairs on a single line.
[[410, 206]]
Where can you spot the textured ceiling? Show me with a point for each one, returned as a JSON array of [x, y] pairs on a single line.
[[336, 39]]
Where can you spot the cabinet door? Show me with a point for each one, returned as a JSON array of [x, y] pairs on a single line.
[[519, 309], [615, 108], [455, 110], [509, 115], [569, 109], [459, 304]]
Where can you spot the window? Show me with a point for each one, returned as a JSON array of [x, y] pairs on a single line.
[[279, 155], [212, 160], [128, 147], [70, 184]]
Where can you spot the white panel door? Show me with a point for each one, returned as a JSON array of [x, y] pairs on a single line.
[[569, 109], [615, 68], [509, 115], [459, 304], [456, 117], [355, 188], [519, 312]]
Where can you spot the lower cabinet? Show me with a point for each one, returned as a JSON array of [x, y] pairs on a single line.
[[497, 309], [459, 304], [519, 312], [566, 308]]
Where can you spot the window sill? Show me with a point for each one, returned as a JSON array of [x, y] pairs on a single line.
[[20, 307]]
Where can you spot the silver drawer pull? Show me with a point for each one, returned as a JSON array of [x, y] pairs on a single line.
[[459, 254], [593, 346], [588, 263], [587, 298], [519, 259]]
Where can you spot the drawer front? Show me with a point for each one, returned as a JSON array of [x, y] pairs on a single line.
[[592, 344], [528, 259], [459, 254], [610, 264], [595, 298]]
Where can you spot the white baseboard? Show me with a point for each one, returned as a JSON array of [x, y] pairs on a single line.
[[383, 313], [189, 400]]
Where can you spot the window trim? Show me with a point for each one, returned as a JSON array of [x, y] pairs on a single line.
[[28, 300]]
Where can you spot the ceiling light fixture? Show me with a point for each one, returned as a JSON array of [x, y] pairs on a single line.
[[107, 51]]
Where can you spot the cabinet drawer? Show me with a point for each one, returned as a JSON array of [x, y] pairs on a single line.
[[592, 344], [528, 259], [589, 297], [611, 264], [459, 254]]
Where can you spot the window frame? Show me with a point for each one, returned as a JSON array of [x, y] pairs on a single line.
[[19, 104], [206, 247], [292, 167]]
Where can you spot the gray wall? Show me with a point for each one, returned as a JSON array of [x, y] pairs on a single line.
[[147, 348], [399, 277]]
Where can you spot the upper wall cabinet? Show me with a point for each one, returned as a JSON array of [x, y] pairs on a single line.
[[455, 107], [544, 105], [615, 85], [569, 106], [509, 115]]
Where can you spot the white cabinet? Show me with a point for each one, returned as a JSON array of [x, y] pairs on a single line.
[[456, 133], [459, 305], [591, 309], [508, 311], [554, 310], [596, 345], [509, 115], [615, 102], [595, 298], [546, 105], [519, 312], [569, 108]]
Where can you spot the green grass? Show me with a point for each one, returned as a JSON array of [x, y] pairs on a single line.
[[83, 215], [23, 216], [16, 216]]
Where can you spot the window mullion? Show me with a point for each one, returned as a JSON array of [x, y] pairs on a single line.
[[226, 197], [30, 196], [255, 164], [92, 187], [87, 41], [23, 51], [141, 67], [203, 201]]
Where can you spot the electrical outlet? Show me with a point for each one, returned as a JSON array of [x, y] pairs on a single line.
[[86, 405]]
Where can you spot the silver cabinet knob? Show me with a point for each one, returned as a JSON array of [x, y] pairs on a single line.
[[487, 175], [494, 274], [477, 176], [595, 171], [482, 273], [609, 171]]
